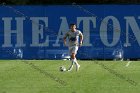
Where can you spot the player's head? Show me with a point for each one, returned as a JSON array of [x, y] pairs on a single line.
[[72, 26]]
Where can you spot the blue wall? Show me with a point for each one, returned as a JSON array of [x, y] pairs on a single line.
[[35, 32]]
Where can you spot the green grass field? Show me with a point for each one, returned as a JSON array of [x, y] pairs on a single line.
[[43, 76]]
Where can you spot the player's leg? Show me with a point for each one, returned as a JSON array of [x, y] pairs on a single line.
[[71, 66], [73, 51], [72, 62], [73, 56]]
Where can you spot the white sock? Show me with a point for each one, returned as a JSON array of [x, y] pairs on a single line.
[[71, 67], [76, 63]]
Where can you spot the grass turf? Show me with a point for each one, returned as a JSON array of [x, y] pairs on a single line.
[[43, 76]]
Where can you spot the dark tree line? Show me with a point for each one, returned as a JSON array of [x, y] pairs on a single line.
[[63, 2]]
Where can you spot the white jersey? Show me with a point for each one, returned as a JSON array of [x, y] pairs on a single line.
[[73, 37]]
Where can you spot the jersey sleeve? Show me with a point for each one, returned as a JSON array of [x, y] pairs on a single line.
[[80, 33]]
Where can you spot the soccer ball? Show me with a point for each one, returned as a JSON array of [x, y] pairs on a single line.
[[62, 68]]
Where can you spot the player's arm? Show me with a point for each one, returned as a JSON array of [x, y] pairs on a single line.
[[64, 38], [81, 39]]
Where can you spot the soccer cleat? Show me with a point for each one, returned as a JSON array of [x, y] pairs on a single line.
[[69, 70]]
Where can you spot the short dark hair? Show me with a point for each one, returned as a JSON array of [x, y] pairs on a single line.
[[72, 24]]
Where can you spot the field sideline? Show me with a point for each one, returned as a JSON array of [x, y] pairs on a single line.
[[43, 76]]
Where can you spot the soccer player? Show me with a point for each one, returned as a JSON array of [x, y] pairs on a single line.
[[73, 36]]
